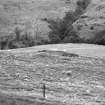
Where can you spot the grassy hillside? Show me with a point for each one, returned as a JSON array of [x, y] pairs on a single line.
[[92, 21], [26, 14], [70, 78]]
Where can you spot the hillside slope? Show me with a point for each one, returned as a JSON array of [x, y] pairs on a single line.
[[27, 14], [87, 50], [70, 78], [93, 20]]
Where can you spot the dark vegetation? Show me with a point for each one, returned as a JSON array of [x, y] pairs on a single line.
[[99, 38], [19, 40], [61, 53], [61, 31]]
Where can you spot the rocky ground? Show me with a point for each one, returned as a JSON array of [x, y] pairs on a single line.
[[70, 78]]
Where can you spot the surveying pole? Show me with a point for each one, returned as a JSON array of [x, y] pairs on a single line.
[[44, 90]]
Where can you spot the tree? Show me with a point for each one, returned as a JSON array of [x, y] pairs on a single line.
[[62, 29], [99, 38]]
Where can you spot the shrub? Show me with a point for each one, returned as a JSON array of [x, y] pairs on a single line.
[[62, 29], [81, 7], [73, 38], [4, 42], [83, 3], [20, 41], [57, 28], [17, 32], [99, 38]]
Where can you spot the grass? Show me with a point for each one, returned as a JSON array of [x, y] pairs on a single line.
[[10, 100], [69, 78]]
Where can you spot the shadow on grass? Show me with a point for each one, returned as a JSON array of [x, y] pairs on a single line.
[[61, 53]]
